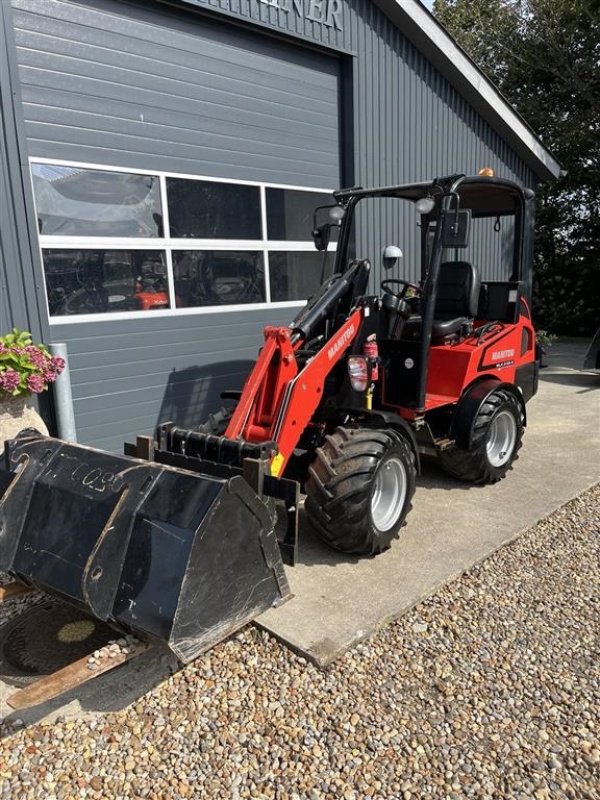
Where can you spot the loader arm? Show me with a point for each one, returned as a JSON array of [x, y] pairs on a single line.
[[280, 396], [286, 383]]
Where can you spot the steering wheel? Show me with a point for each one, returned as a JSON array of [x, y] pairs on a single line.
[[386, 287]]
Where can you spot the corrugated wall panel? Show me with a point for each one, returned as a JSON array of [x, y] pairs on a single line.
[[135, 373], [18, 303], [122, 84]]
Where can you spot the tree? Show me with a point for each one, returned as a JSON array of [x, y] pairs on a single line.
[[544, 56]]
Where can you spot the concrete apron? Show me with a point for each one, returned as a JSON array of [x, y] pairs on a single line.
[[340, 600]]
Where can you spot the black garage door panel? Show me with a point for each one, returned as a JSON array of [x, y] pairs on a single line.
[[118, 83]]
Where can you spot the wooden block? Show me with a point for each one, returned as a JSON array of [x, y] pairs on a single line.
[[70, 677], [13, 589], [144, 446]]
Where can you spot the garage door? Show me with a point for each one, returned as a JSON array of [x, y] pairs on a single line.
[[162, 269], [110, 82]]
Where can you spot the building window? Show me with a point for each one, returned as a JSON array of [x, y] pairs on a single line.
[[99, 281], [218, 277], [290, 213], [294, 275], [71, 201], [127, 242], [208, 210]]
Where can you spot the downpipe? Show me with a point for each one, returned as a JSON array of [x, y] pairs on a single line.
[[63, 397]]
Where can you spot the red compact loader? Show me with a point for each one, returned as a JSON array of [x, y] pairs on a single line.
[[178, 540]]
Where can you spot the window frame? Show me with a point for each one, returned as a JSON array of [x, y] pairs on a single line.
[[168, 244]]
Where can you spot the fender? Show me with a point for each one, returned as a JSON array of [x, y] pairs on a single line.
[[461, 428], [389, 419]]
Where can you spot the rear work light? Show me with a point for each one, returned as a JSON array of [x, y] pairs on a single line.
[[358, 372]]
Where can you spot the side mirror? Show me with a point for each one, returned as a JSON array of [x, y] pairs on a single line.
[[456, 226], [322, 233], [321, 236], [391, 254]]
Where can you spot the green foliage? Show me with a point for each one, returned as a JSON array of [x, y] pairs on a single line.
[[25, 367], [544, 55], [544, 339]]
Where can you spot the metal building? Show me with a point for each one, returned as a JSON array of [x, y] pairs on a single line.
[[159, 163]]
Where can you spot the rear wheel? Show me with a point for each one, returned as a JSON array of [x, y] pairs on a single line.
[[360, 488], [497, 438]]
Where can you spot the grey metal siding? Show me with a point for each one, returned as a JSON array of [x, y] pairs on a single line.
[[145, 87], [18, 298], [129, 375]]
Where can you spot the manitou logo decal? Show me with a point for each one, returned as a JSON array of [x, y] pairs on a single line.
[[341, 342], [501, 355]]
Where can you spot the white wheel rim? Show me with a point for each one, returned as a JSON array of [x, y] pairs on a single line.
[[501, 439], [389, 494]]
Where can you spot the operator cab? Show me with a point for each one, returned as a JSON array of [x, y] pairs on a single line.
[[485, 215], [462, 221]]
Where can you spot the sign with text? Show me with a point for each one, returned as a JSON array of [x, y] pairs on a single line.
[[327, 12]]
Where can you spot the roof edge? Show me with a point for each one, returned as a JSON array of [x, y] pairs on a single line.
[[429, 36]]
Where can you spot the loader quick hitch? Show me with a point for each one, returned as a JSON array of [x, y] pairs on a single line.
[[178, 557], [225, 458]]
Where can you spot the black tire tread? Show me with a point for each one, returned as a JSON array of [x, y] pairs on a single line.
[[472, 465], [339, 486]]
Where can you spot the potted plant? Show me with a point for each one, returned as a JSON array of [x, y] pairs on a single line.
[[25, 369], [543, 341]]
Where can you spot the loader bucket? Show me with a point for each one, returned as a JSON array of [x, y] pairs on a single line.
[[169, 555]]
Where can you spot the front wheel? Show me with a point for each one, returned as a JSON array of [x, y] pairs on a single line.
[[497, 437], [360, 488]]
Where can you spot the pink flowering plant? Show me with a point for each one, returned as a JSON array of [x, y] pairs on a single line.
[[25, 367]]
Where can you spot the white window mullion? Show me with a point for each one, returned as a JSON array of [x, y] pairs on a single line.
[[301, 247], [162, 181], [170, 277], [217, 244], [263, 222], [267, 276], [167, 236], [97, 243]]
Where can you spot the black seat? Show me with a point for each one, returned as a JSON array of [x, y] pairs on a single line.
[[457, 297], [456, 301]]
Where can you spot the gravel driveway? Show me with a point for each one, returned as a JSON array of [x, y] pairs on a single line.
[[490, 689]]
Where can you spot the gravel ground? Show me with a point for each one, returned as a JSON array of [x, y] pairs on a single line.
[[490, 689]]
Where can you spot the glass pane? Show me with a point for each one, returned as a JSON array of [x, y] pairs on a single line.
[[97, 281], [290, 214], [207, 210], [295, 276], [491, 247], [88, 202], [218, 277]]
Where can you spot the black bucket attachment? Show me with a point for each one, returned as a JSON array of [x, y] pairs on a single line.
[[166, 554]]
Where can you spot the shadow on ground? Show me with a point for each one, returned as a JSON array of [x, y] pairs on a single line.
[[588, 381]]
